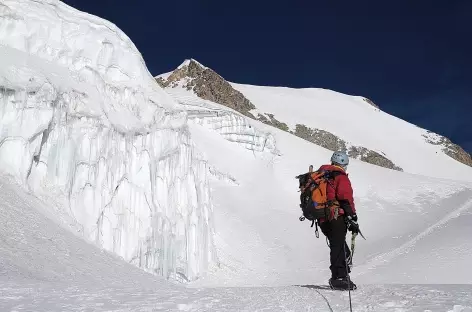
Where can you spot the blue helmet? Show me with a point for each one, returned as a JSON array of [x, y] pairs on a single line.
[[340, 158]]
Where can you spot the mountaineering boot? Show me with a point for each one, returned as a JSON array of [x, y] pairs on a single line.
[[341, 283]]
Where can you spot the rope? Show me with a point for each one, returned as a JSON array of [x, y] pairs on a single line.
[[326, 300]]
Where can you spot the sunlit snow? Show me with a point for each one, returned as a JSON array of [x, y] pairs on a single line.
[[118, 195]]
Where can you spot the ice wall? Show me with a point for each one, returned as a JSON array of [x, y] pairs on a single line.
[[81, 115], [235, 128]]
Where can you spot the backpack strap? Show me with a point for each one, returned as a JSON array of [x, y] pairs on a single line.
[[333, 205], [332, 176]]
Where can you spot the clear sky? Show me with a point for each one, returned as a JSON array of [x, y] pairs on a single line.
[[413, 58]]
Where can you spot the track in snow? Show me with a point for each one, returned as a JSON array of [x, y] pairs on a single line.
[[389, 256]]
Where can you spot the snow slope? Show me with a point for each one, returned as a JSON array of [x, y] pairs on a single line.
[[82, 120], [360, 124], [44, 267], [261, 241]]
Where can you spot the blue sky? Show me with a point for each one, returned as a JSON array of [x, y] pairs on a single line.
[[412, 58]]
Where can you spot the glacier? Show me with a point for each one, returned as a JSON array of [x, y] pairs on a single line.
[[82, 120], [187, 189]]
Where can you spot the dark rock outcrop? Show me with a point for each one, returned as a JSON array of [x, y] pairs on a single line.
[[208, 85], [332, 142], [449, 148], [370, 102], [272, 121], [320, 137], [372, 157]]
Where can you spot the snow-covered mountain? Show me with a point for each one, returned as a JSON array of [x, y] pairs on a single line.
[[107, 177], [256, 206], [330, 119]]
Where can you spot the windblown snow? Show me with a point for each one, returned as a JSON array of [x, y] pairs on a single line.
[[107, 178]]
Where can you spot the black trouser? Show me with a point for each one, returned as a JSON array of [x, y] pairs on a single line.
[[335, 231]]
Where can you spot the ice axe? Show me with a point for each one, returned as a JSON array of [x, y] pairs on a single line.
[[361, 234], [353, 246]]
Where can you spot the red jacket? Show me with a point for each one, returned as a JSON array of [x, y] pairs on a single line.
[[342, 190]]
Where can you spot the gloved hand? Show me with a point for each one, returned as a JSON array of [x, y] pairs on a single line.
[[352, 225]]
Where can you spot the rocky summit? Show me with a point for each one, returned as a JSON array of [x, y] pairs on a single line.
[[208, 85]]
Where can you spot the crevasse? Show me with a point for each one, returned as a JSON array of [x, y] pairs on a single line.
[[235, 128], [81, 115]]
